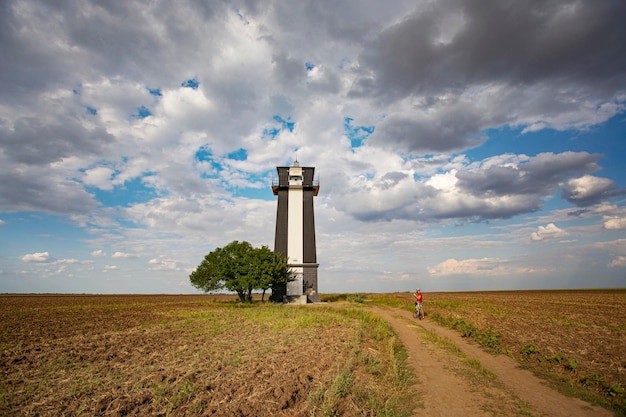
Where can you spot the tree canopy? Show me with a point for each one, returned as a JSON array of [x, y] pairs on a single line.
[[241, 268]]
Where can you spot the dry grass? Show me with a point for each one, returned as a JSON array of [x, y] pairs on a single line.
[[575, 339], [195, 355]]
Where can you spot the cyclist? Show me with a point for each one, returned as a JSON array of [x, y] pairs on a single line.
[[419, 299]]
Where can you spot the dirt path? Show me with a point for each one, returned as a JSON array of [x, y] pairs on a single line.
[[454, 384]]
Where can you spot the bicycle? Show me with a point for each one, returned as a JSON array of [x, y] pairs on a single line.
[[418, 312]]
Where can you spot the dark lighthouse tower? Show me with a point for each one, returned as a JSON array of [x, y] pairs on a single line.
[[295, 231]]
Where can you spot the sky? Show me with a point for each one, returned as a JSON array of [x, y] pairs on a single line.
[[460, 145]]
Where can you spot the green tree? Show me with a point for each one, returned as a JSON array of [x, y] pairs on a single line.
[[241, 268], [274, 270]]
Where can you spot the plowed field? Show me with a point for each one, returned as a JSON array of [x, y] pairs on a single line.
[[208, 355], [194, 355], [576, 339]]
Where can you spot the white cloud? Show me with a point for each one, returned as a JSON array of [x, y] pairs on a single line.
[[420, 78], [588, 190], [111, 267], [548, 232], [69, 261], [37, 257], [186, 107], [2, 223], [99, 177], [123, 255], [615, 247], [618, 262], [585, 186], [163, 264], [614, 223], [483, 266], [494, 188]]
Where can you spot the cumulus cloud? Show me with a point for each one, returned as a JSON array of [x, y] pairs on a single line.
[[614, 223], [483, 266], [537, 175], [449, 79], [69, 261], [2, 223], [123, 255], [497, 187], [99, 177], [114, 100], [111, 268], [445, 126], [42, 188], [617, 245], [163, 264], [443, 47], [548, 232], [588, 190], [64, 138], [441, 90], [37, 257], [619, 261]]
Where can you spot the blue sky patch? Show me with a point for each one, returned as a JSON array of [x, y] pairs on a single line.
[[356, 134], [239, 155], [261, 189], [142, 112], [192, 83], [309, 66], [39, 232], [204, 154], [129, 224], [254, 193], [155, 92], [285, 124], [271, 132], [132, 192], [605, 139], [92, 111]]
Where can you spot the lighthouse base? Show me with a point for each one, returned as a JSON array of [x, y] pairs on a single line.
[[295, 299], [301, 299], [303, 287]]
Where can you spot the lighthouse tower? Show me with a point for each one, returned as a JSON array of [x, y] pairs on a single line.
[[295, 231]]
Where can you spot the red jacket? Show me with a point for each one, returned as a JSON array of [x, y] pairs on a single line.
[[418, 297]]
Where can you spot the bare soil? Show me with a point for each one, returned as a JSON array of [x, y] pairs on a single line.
[[587, 327], [448, 389], [189, 355]]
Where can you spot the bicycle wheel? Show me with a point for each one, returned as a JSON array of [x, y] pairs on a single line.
[[415, 314]]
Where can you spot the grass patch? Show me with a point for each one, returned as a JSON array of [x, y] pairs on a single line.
[[185, 356], [376, 379], [501, 320], [487, 338], [562, 374]]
